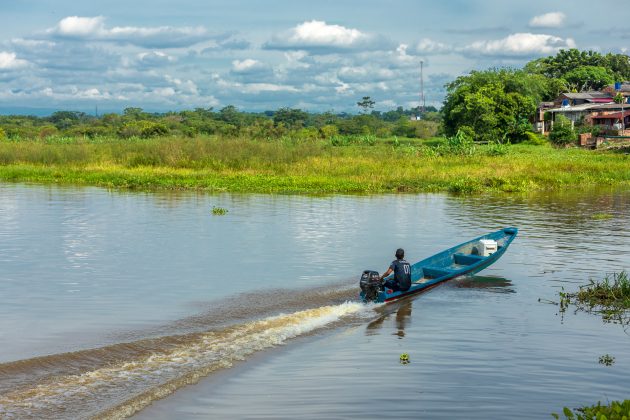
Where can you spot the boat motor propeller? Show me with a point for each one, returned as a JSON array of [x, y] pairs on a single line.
[[371, 284]]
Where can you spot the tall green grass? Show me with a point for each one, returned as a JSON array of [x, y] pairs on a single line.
[[318, 166]]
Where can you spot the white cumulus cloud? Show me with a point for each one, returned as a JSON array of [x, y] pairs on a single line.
[[154, 58], [81, 26], [429, 46], [318, 35], [245, 65], [94, 29], [318, 32], [548, 20], [521, 44], [9, 61]]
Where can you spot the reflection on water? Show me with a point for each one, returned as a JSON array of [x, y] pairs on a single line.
[[485, 283], [402, 311]]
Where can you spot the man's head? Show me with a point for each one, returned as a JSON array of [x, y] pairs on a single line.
[[400, 253]]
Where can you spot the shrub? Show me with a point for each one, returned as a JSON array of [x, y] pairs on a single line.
[[329, 131], [459, 144], [404, 128], [364, 140], [47, 131], [426, 129], [307, 133], [144, 129], [496, 148], [562, 133], [3, 135]]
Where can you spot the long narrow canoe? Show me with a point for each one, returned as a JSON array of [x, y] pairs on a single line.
[[464, 259]]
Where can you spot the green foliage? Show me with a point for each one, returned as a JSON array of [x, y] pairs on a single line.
[[366, 103], [219, 211], [606, 360], [291, 118], [3, 135], [348, 140], [143, 129], [535, 139], [460, 144], [227, 122], [610, 298], [564, 62], [424, 129], [587, 78], [496, 148], [495, 104], [404, 128], [465, 186], [562, 132], [286, 165], [614, 411], [329, 131]]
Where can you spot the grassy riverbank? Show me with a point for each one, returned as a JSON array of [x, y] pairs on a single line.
[[283, 166]]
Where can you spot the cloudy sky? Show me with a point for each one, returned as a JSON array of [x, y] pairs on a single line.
[[258, 55]]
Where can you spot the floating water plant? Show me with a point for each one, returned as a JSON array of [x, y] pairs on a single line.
[[602, 216], [614, 411], [609, 297], [219, 211], [404, 359], [606, 360]]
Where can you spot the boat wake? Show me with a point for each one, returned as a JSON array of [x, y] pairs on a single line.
[[119, 380]]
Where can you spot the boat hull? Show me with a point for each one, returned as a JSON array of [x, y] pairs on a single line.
[[454, 262]]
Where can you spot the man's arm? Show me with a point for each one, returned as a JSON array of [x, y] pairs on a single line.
[[387, 273]]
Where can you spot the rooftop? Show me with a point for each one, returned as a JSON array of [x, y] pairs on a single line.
[[591, 107], [586, 95]]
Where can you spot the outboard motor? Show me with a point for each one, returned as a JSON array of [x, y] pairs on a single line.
[[370, 285]]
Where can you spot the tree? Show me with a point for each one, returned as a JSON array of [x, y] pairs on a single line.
[[588, 78], [619, 64], [562, 132], [366, 103], [66, 119], [290, 118], [563, 62], [132, 113], [231, 115], [492, 105]]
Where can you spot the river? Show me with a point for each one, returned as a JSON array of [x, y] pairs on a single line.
[[122, 303]]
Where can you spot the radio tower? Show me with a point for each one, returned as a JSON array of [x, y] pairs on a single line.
[[422, 100]]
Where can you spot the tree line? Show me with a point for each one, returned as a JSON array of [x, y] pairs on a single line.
[[227, 122]]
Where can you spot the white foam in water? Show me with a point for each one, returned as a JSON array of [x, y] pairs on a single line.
[[103, 388]]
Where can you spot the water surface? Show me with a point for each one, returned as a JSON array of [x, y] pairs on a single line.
[[152, 292]]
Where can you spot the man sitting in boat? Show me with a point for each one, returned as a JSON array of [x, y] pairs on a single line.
[[402, 273]]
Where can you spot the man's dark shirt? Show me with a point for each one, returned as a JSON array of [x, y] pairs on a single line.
[[402, 274]]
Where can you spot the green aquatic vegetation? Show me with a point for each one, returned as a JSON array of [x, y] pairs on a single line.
[[609, 297], [219, 164], [616, 410], [219, 211], [606, 360], [602, 216], [404, 359]]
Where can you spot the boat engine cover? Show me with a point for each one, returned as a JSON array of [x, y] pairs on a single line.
[[370, 284]]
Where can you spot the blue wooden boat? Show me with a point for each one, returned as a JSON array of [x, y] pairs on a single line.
[[467, 258]]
